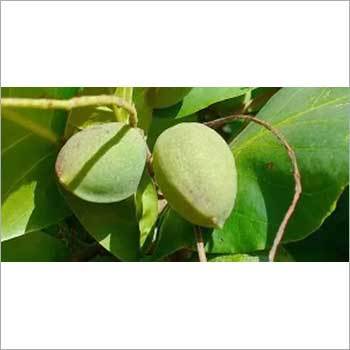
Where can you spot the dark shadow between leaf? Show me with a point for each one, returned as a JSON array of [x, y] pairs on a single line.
[[115, 222], [331, 241]]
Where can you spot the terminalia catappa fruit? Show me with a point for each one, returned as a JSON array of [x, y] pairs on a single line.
[[195, 170], [103, 163]]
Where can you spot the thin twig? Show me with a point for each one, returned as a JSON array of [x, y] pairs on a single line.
[[75, 102], [200, 244], [296, 174]]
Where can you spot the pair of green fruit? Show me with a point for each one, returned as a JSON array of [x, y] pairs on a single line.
[[193, 166]]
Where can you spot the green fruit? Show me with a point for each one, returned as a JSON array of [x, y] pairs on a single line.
[[103, 163], [167, 96], [195, 169]]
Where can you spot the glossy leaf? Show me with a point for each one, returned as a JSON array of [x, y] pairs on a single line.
[[34, 247], [143, 108], [30, 141], [235, 258], [250, 102], [126, 94], [200, 98], [175, 233], [316, 123], [146, 200], [282, 256], [113, 225], [162, 97]]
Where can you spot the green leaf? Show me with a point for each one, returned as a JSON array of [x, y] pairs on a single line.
[[315, 121], [30, 141], [146, 201], [113, 225], [282, 256], [250, 102], [200, 98], [126, 94], [331, 241], [175, 233], [143, 108], [162, 97], [34, 247], [235, 258]]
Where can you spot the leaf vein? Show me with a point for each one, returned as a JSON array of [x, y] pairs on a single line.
[[18, 141], [287, 120]]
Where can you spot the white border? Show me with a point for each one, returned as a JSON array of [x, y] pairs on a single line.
[[141, 43], [175, 305]]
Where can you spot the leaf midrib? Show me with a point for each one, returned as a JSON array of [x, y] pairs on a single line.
[[262, 133]]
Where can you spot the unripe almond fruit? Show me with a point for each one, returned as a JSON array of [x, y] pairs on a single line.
[[195, 170], [103, 163]]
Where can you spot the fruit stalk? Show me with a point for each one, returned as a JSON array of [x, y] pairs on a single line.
[[200, 244], [75, 102], [296, 173]]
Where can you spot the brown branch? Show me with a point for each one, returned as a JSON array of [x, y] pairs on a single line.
[[296, 174], [200, 244]]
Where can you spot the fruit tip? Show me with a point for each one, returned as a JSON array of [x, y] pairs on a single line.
[[217, 223]]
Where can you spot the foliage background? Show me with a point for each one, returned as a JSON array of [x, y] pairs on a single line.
[[42, 223]]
